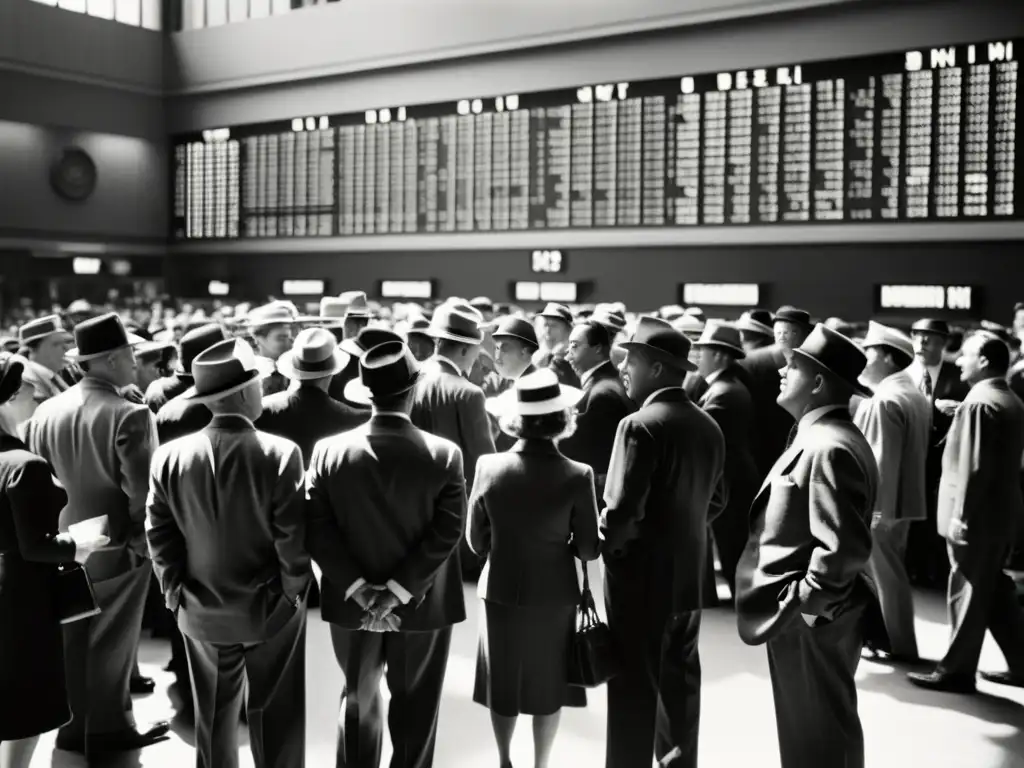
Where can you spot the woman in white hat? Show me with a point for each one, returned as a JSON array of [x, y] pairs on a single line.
[[533, 513]]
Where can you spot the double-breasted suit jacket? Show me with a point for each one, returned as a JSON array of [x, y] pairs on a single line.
[[387, 502], [603, 405], [532, 512], [772, 422], [306, 415], [809, 529], [226, 528]]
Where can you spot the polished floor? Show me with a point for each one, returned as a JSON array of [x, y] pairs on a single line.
[[903, 725]]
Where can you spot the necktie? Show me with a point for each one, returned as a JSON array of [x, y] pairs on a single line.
[[926, 384], [792, 435]]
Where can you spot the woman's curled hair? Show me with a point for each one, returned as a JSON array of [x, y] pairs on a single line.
[[548, 426], [11, 367]]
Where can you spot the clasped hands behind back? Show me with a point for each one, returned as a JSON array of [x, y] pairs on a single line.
[[378, 603]]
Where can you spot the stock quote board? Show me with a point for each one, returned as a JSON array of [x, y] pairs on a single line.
[[914, 136]]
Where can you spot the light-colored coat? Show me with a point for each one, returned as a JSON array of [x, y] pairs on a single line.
[[897, 423], [45, 383]]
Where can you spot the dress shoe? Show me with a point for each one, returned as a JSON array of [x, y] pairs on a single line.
[[1003, 678], [939, 681], [127, 740], [140, 686]]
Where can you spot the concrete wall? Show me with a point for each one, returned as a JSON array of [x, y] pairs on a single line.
[[131, 196]]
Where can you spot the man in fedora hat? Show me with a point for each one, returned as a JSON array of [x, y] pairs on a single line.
[[664, 485], [355, 347], [938, 380], [801, 584], [225, 522], [306, 414], [896, 420], [45, 341], [756, 332], [99, 445], [981, 517], [272, 326], [446, 403], [419, 341], [515, 342], [727, 400], [179, 417], [162, 391], [554, 326], [387, 510], [604, 402]]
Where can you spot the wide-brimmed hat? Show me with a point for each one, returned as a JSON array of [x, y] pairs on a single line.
[[332, 312], [690, 325], [457, 321], [556, 311], [274, 313], [196, 341], [367, 339], [722, 336], [482, 303], [223, 369], [386, 370], [518, 328], [42, 327], [535, 394], [149, 348], [419, 327], [931, 325], [670, 312], [314, 355], [757, 321], [663, 342], [356, 304], [100, 336], [883, 336], [836, 355], [788, 314], [609, 317]]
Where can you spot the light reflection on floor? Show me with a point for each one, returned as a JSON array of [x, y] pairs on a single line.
[[903, 725]]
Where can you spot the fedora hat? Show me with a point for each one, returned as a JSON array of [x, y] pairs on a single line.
[[482, 303], [835, 355], [519, 328], [722, 336], [931, 325], [386, 370], [196, 341], [556, 311], [883, 336], [610, 318], [535, 394], [367, 339], [42, 327], [457, 321], [689, 325], [223, 369], [274, 313], [314, 355], [80, 307], [332, 312], [788, 314], [418, 327], [356, 304], [660, 340], [670, 312], [100, 336], [756, 321]]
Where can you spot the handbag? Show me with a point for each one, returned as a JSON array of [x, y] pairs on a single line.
[[75, 598], [593, 659]]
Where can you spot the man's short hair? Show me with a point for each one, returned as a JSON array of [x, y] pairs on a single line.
[[596, 334], [995, 351]]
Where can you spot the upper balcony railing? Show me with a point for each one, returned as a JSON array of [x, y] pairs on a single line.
[[147, 14], [184, 15]]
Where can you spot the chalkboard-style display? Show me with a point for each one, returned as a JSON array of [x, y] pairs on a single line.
[[924, 135]]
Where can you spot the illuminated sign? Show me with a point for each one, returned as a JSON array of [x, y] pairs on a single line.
[[721, 294], [303, 288], [547, 262], [563, 293], [406, 289], [953, 298], [218, 288], [85, 265]]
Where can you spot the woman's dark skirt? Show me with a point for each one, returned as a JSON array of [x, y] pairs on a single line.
[[33, 695], [522, 660]]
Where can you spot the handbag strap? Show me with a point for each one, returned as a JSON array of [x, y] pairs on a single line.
[[588, 608]]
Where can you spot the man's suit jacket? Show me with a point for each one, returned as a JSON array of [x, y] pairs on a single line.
[[603, 405], [179, 418], [275, 381], [532, 513], [555, 360], [336, 389], [99, 446], [947, 386], [665, 484], [897, 423], [226, 528], [307, 415], [1015, 378], [45, 383], [810, 535], [695, 386], [728, 401], [448, 405], [981, 463], [163, 390], [387, 502], [772, 422]]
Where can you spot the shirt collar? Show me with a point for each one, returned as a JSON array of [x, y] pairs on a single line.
[[395, 414], [231, 421], [657, 392], [810, 418], [589, 373], [714, 376], [447, 362]]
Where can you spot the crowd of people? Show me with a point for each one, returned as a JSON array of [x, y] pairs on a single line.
[[372, 458]]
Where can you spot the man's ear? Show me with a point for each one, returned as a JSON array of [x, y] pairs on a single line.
[[819, 384], [657, 368]]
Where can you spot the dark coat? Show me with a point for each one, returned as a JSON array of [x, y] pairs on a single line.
[[163, 390], [306, 415], [665, 484], [387, 501], [341, 379], [556, 362], [532, 512], [772, 423], [810, 535], [179, 418]]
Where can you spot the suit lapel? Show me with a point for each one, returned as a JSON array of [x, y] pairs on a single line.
[[785, 463]]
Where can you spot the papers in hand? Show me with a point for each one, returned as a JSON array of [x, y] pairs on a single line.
[[91, 533]]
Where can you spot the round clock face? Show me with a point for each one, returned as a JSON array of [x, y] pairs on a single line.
[[73, 175]]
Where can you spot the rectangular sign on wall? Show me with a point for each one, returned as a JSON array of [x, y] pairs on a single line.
[[406, 289], [720, 294], [218, 288], [562, 293], [303, 287], [945, 298]]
